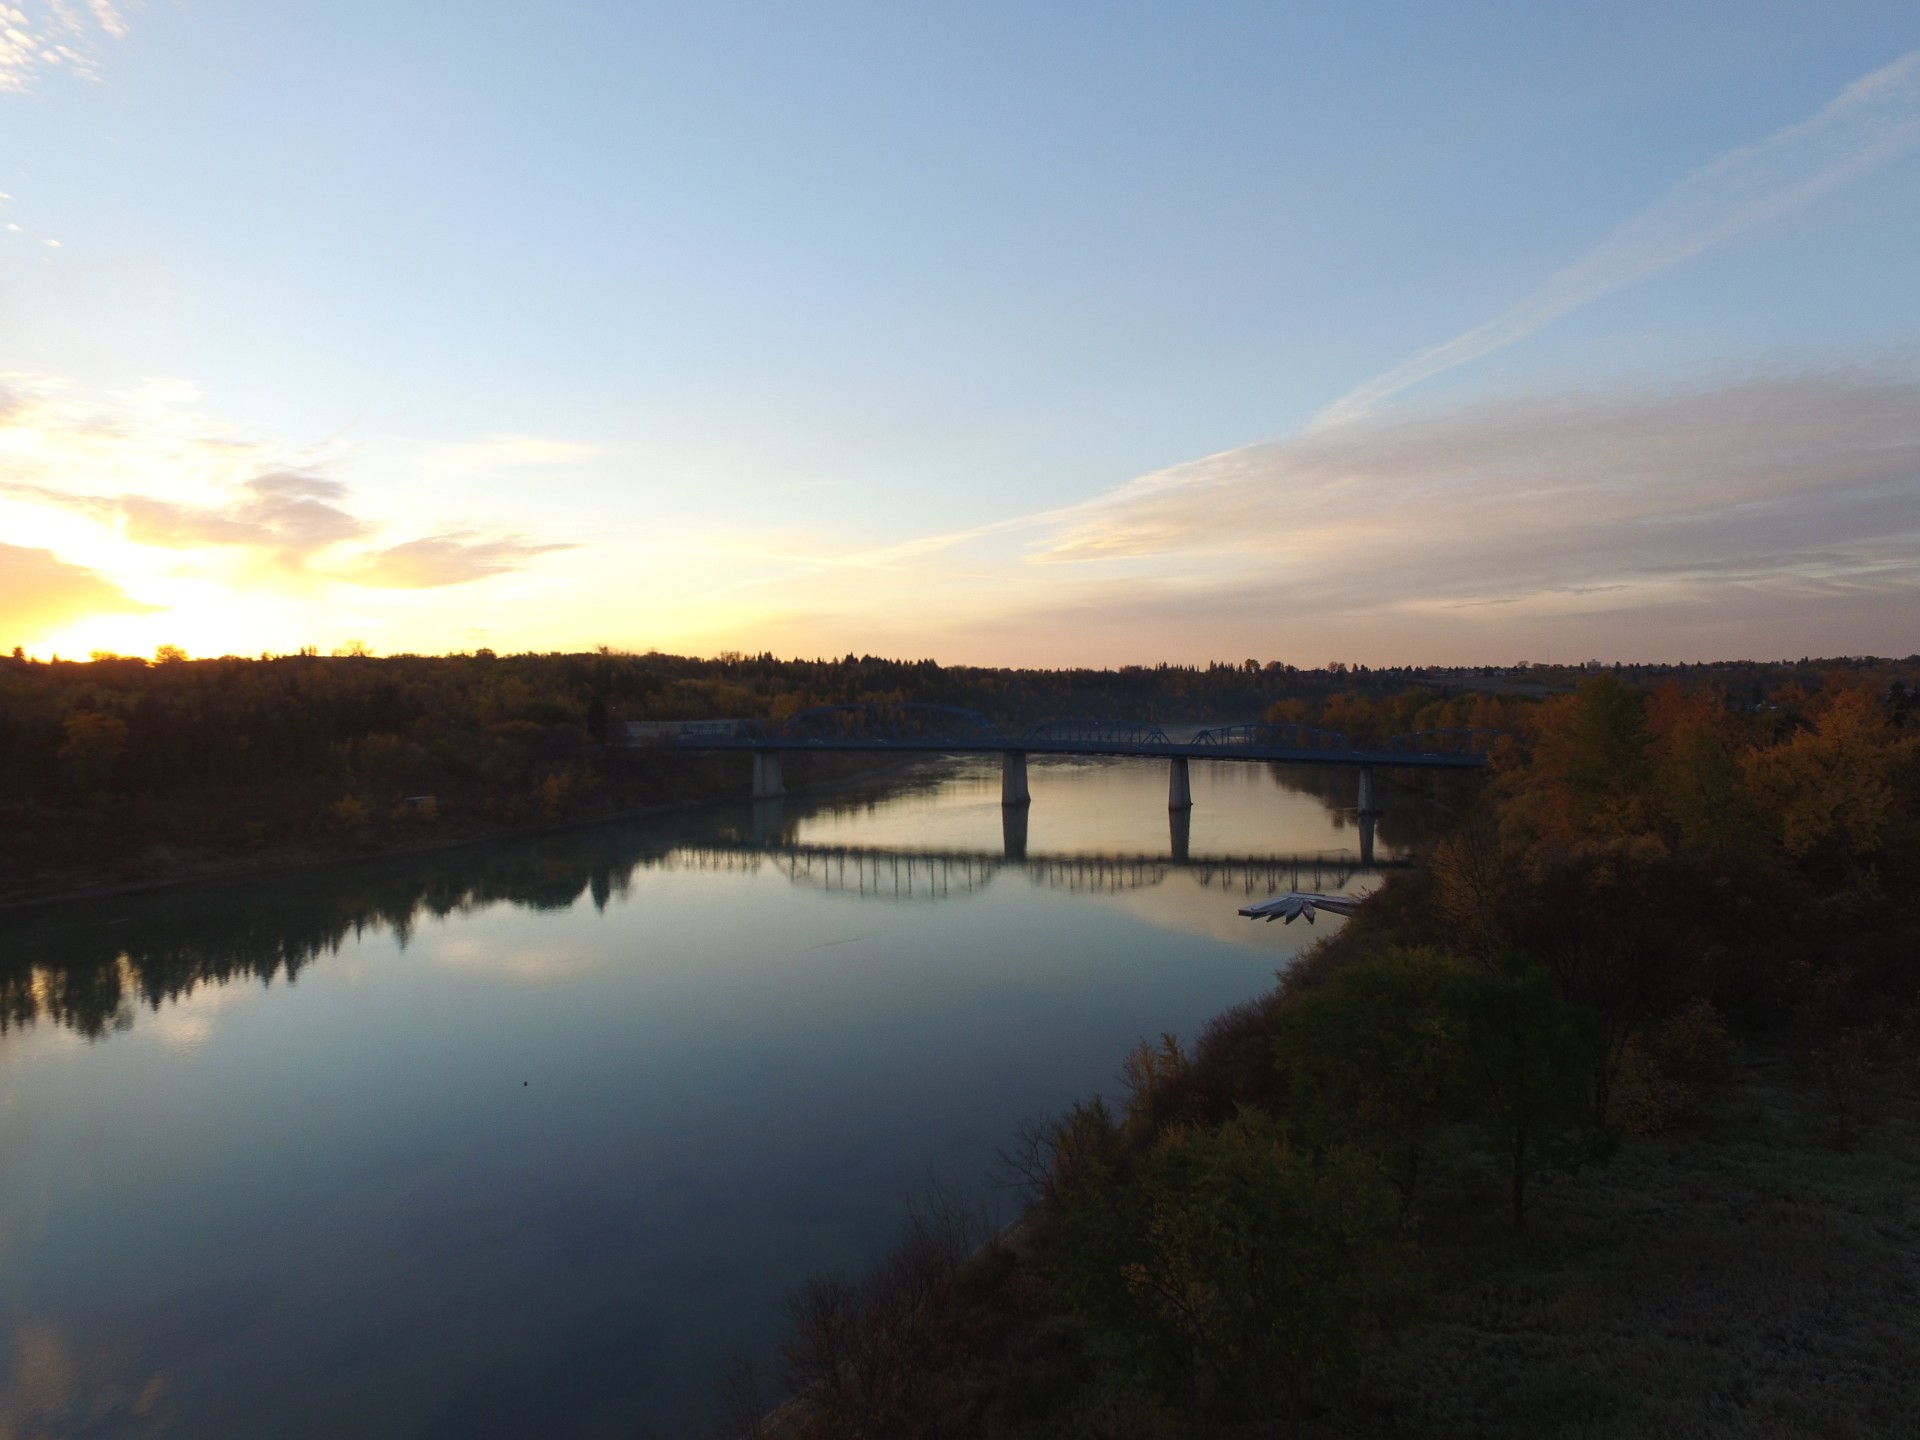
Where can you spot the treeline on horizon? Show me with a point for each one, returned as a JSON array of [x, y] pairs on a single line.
[[75, 731], [1652, 882]]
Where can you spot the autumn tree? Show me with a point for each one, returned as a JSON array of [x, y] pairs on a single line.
[[1603, 765], [1696, 755], [1828, 791]]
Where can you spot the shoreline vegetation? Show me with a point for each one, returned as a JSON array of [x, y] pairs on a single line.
[[1604, 1123], [170, 868]]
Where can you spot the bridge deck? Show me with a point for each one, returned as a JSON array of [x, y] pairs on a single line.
[[1157, 750]]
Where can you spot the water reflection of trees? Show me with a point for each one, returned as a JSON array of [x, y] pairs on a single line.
[[91, 966], [1413, 804]]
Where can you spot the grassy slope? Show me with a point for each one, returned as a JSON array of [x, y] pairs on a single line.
[[1743, 1280]]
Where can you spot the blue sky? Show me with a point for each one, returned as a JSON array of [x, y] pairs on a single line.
[[868, 327]]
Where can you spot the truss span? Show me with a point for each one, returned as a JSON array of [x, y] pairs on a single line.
[[1093, 732], [1270, 737]]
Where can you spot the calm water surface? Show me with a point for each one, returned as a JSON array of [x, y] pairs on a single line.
[[526, 1139]]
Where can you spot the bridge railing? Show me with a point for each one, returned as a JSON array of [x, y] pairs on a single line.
[[1271, 737], [1445, 742], [1095, 732], [883, 722]]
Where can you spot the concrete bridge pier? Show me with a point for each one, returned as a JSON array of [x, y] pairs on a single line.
[[1180, 832], [1369, 808], [1013, 779], [767, 780], [1179, 787]]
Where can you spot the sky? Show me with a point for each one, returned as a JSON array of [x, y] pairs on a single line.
[[997, 333]]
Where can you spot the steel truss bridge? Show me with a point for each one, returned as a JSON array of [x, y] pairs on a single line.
[[944, 729], [947, 730], [930, 875]]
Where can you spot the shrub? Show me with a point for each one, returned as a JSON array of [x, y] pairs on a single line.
[[349, 812], [1665, 1070], [1051, 1158], [1157, 1078], [864, 1356]]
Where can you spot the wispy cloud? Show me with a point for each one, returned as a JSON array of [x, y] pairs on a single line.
[[1871, 121], [41, 35], [1543, 492], [289, 515], [452, 559]]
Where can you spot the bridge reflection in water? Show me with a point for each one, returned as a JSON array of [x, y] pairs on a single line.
[[905, 874]]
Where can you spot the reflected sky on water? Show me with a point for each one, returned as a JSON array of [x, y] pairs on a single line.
[[523, 1139]]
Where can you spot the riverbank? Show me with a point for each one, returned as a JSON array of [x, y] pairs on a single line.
[[134, 845]]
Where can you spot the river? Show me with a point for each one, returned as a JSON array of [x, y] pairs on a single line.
[[525, 1139]]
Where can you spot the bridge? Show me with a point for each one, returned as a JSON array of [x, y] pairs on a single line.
[[931, 875], [947, 730]]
